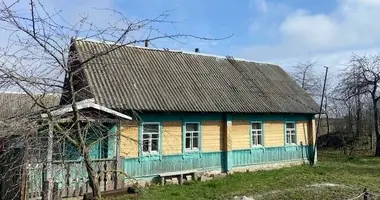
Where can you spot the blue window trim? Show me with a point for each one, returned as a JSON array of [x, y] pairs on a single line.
[[253, 147], [293, 146], [146, 157], [191, 154]]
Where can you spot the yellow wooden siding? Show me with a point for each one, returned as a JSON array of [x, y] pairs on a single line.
[[172, 137], [240, 134], [312, 132], [302, 132], [129, 139], [212, 135], [274, 133]]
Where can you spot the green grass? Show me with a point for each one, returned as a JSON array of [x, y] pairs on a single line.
[[352, 174]]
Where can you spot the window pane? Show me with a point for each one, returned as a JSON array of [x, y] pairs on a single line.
[[290, 125], [188, 134], [287, 139], [154, 145], [258, 132], [192, 127], [254, 140], [149, 128], [155, 135], [187, 143], [256, 125], [195, 143], [195, 134], [146, 136], [293, 138], [259, 140], [145, 145]]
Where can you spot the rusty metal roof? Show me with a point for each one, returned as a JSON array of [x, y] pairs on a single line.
[[144, 79]]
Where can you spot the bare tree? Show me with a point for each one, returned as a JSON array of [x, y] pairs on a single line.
[[304, 74], [37, 59], [362, 78]]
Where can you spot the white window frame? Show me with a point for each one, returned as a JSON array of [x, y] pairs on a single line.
[[254, 133], [290, 133], [192, 148], [150, 139]]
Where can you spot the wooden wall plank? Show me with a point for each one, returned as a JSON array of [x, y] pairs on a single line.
[[172, 137], [302, 132], [274, 133], [129, 139], [212, 135], [240, 134]]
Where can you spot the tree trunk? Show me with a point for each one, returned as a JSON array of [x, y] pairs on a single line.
[[377, 153], [92, 177], [376, 124]]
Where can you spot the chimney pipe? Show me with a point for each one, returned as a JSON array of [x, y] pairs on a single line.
[[197, 50], [146, 43]]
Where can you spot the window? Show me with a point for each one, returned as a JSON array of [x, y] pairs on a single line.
[[290, 133], [151, 136], [257, 133], [192, 136]]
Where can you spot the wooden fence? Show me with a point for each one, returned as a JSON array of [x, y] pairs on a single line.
[[70, 178]]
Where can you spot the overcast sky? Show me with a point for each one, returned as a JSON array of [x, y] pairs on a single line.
[[276, 31]]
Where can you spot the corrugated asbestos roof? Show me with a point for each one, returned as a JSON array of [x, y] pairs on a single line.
[[157, 80], [14, 104]]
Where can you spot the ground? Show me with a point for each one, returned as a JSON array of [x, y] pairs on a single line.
[[335, 177]]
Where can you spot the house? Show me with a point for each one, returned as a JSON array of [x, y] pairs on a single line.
[[197, 112]]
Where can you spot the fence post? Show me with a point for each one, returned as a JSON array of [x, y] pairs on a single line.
[[48, 181], [119, 165], [56, 195]]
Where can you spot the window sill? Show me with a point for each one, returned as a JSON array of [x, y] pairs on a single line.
[[150, 157], [191, 154], [257, 149], [291, 147]]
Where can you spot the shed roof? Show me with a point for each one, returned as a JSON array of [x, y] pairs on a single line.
[[144, 79], [17, 103]]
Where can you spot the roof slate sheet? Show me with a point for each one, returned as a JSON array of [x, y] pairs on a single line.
[[144, 79]]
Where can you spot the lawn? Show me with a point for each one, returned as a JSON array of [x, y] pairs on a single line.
[[335, 177]]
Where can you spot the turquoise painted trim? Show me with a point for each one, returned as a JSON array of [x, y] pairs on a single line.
[[170, 163], [166, 116], [148, 157], [180, 116], [271, 155], [214, 160], [291, 148], [272, 117], [111, 141], [257, 148], [295, 127], [191, 154], [229, 161]]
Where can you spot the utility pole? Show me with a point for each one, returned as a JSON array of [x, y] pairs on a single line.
[[319, 116]]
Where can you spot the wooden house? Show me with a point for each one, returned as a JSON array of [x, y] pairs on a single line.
[[198, 112]]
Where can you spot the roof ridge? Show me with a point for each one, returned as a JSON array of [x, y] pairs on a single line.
[[173, 51]]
